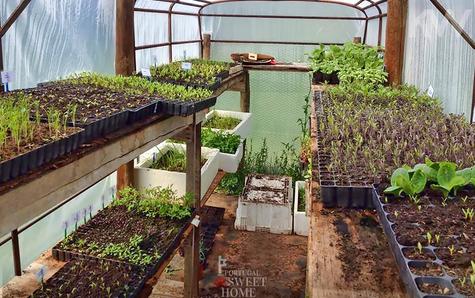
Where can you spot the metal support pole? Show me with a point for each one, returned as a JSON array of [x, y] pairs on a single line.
[[16, 252]]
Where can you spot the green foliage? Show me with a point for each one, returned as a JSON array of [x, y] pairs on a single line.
[[140, 86], [155, 202], [130, 252], [410, 183], [201, 72], [447, 179], [301, 206], [18, 130], [353, 63], [225, 142], [173, 160], [219, 122]]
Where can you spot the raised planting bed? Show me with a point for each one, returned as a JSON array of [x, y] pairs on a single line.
[[432, 235], [194, 73], [93, 278], [165, 165], [364, 135], [265, 205], [27, 144], [156, 220], [237, 123], [301, 220], [230, 146]]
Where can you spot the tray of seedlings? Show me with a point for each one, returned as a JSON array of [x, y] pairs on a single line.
[[155, 97], [341, 185], [428, 214], [93, 278], [194, 73], [156, 222], [364, 134], [26, 142]]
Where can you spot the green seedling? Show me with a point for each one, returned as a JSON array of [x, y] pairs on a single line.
[[447, 179], [468, 213], [411, 184], [463, 281], [451, 249], [396, 213], [472, 279], [429, 238], [437, 238], [464, 199], [419, 247]]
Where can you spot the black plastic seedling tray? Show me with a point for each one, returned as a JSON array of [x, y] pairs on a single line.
[[63, 275], [66, 255], [32, 160], [184, 108], [140, 113], [410, 279]]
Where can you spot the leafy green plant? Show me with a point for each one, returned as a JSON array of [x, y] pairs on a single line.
[[409, 183], [354, 63], [447, 179], [221, 122], [225, 142]]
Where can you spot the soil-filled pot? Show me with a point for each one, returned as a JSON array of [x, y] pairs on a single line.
[[229, 163], [301, 220], [243, 129], [146, 177]]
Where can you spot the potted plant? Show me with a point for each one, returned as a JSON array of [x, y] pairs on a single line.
[[238, 123], [165, 165], [230, 146]]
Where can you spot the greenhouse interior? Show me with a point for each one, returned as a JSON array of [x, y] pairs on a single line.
[[237, 148]]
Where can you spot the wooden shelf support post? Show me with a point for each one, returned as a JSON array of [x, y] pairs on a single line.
[[206, 46], [395, 35], [193, 185], [125, 65]]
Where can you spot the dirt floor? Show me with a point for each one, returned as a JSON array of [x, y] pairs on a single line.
[[262, 263]]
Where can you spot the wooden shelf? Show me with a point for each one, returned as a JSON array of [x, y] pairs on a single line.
[[287, 67], [23, 200]]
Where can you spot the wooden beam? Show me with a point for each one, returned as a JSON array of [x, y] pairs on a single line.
[[13, 17], [125, 65], [246, 94], [193, 185], [16, 252], [472, 112], [27, 201], [395, 35], [206, 46]]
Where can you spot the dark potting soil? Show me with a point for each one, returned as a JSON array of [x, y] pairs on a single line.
[[41, 137], [116, 225], [432, 288], [466, 288], [86, 278], [92, 102], [364, 251], [426, 269], [453, 235]]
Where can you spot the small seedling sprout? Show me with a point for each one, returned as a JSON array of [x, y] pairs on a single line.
[[437, 238], [419, 247], [472, 279], [451, 249], [469, 213], [396, 213], [464, 199], [429, 238], [463, 281]]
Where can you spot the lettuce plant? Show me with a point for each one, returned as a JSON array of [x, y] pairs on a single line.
[[447, 179], [406, 181]]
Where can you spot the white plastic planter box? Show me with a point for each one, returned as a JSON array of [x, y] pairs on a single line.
[[243, 129], [265, 210], [301, 220], [146, 177], [229, 163]]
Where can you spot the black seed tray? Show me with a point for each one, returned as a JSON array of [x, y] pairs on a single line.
[[105, 126], [355, 195], [136, 284], [410, 279], [184, 108], [32, 160], [320, 78], [211, 220], [143, 112], [66, 255]]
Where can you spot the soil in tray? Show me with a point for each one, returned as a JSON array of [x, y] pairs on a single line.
[[41, 137], [93, 103], [220, 122], [465, 288], [442, 219], [173, 160], [113, 231], [363, 251], [432, 288], [426, 269], [86, 278]]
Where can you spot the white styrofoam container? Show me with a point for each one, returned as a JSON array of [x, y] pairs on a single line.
[[243, 129], [229, 163], [263, 217], [145, 177], [301, 220]]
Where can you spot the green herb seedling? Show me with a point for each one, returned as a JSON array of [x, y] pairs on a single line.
[[451, 249], [437, 238], [429, 238], [419, 247], [469, 213]]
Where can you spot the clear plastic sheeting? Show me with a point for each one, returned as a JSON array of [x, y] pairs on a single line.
[[265, 29], [52, 39], [50, 230], [436, 55]]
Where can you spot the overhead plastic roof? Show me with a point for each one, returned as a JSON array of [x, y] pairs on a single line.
[[368, 8]]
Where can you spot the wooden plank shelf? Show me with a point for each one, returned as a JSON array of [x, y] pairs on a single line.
[[286, 67]]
